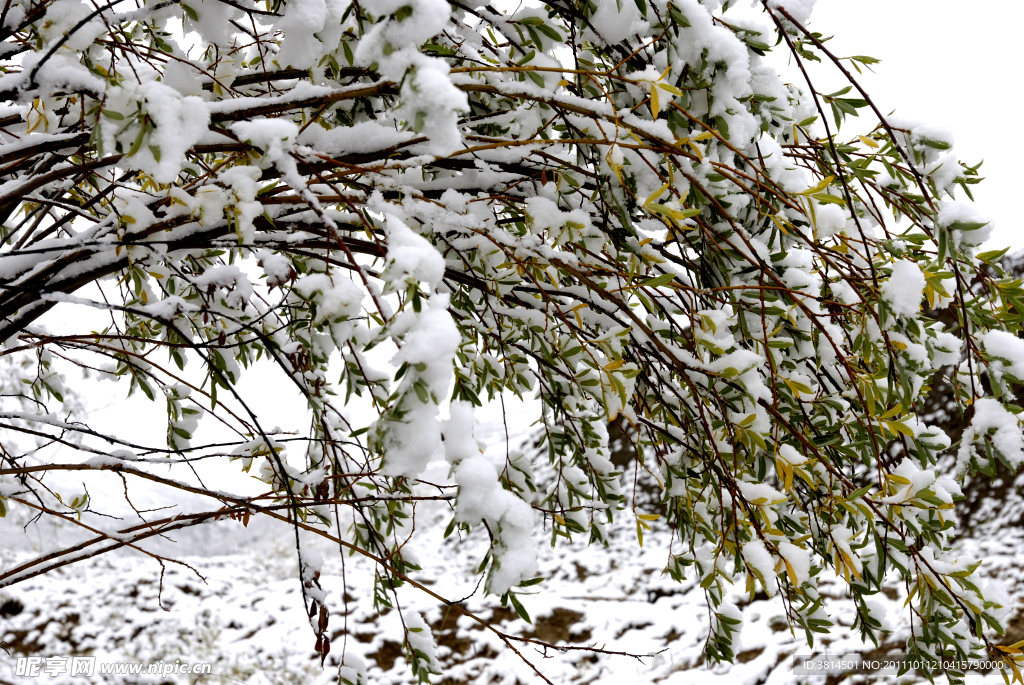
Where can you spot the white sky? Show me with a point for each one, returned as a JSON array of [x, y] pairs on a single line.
[[945, 63]]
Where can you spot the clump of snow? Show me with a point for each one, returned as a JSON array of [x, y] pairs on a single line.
[[411, 256], [481, 498], [800, 10], [352, 670], [613, 21], [904, 289], [797, 560], [561, 226], [337, 298], [946, 349], [844, 292], [429, 101], [227, 278], [831, 219], [422, 641], [459, 442], [274, 137], [880, 613], [310, 565], [760, 493], [429, 341], [168, 309], [277, 268], [243, 181], [967, 226], [991, 419], [1007, 352], [361, 137], [760, 560], [919, 479], [181, 122], [310, 28], [789, 454], [215, 21]]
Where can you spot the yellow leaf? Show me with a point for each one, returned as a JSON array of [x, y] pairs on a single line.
[[868, 141], [614, 365], [782, 227], [897, 408], [797, 387], [791, 573], [696, 150], [656, 194], [786, 471], [848, 563], [704, 136], [670, 88], [649, 517], [899, 427], [654, 102], [818, 188]]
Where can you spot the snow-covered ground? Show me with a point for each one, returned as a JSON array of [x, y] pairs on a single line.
[[241, 612]]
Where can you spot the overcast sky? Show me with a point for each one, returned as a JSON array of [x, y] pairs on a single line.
[[947, 63]]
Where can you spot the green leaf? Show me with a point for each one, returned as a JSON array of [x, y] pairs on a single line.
[[937, 144], [520, 609], [993, 255], [527, 57], [859, 492], [137, 145], [968, 225], [658, 281], [827, 198]]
